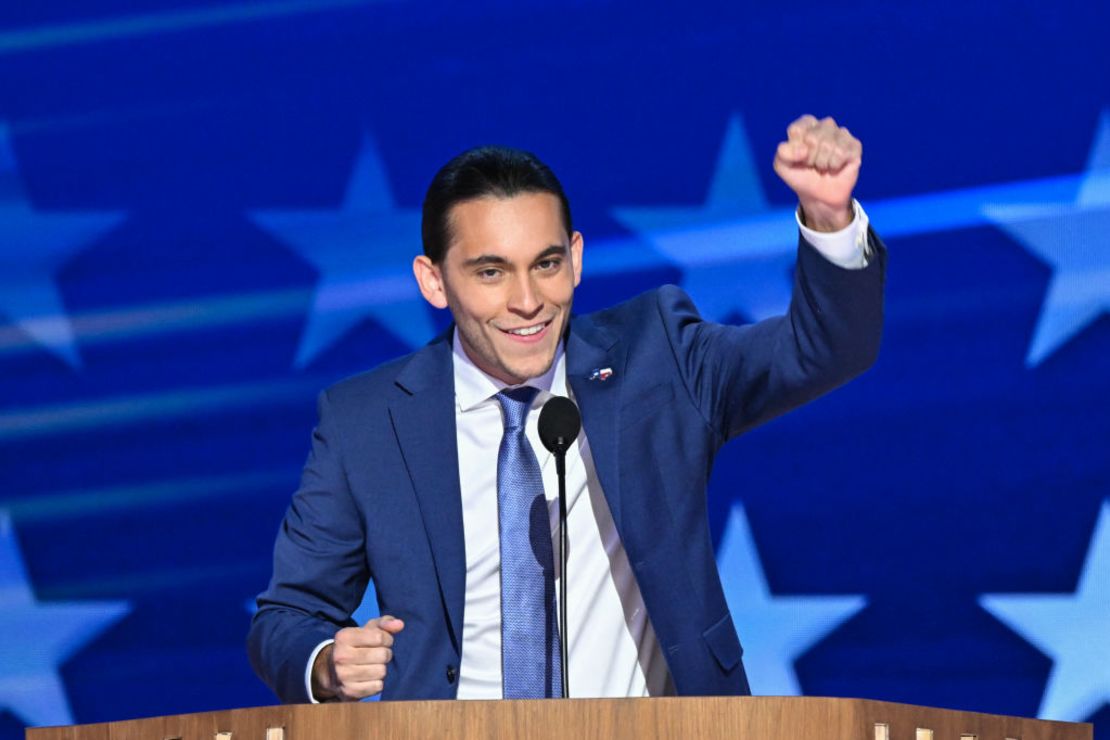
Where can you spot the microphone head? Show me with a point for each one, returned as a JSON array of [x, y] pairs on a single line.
[[559, 424]]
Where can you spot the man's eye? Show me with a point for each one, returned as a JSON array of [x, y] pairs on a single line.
[[550, 265], [489, 273]]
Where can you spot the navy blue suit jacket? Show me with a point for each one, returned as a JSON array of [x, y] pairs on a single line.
[[379, 497]]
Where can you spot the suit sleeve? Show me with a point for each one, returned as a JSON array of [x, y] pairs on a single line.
[[742, 376], [320, 568]]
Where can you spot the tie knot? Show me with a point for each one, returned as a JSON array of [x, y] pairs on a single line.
[[515, 403]]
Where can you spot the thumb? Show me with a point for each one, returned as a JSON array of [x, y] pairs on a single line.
[[390, 623], [791, 152]]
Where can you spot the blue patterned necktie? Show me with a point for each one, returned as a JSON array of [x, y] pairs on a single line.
[[530, 657]]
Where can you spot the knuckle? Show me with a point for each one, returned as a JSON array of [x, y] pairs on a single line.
[[802, 123]]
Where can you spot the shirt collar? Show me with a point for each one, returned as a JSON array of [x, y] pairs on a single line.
[[474, 387]]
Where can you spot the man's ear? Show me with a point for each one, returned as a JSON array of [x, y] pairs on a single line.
[[576, 243], [430, 280]]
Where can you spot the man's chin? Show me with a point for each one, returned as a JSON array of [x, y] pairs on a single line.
[[526, 372]]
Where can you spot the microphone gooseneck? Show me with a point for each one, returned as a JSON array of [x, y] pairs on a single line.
[[559, 425]]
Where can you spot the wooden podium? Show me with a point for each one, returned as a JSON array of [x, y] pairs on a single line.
[[736, 718]]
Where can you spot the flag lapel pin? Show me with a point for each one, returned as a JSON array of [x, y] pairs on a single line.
[[601, 373]]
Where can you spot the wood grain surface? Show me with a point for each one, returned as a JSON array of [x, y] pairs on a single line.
[[758, 718]]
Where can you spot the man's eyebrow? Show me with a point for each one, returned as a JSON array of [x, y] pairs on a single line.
[[485, 259], [555, 250]]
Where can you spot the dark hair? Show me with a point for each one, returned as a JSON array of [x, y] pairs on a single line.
[[485, 171]]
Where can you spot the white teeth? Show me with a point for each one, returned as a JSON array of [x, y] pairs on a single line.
[[527, 332]]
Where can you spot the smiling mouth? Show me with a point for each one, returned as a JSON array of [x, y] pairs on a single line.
[[528, 331]]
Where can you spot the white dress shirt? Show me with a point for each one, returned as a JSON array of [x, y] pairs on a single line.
[[613, 649]]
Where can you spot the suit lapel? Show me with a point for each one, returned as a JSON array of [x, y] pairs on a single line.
[[423, 416], [591, 348]]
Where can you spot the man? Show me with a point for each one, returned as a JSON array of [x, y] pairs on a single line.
[[426, 474]]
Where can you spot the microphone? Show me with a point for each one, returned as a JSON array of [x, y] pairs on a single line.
[[559, 425]]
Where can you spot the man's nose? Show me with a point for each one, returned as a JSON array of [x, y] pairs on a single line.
[[525, 298]]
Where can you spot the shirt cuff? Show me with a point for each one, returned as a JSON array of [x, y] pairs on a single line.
[[308, 670], [846, 248]]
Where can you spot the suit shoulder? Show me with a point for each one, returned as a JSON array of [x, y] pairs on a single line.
[[368, 386], [652, 307], [663, 297]]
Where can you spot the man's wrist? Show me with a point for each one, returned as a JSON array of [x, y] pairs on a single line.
[[825, 219], [323, 685], [847, 248]]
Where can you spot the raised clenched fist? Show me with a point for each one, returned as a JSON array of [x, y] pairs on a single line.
[[820, 161]]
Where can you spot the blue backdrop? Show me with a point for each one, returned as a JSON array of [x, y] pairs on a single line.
[[207, 211]]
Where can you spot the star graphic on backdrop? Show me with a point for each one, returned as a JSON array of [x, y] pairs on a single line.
[[33, 246], [733, 250], [363, 252], [777, 629], [37, 638], [1073, 238], [1071, 629]]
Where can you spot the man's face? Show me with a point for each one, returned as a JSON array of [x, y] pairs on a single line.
[[508, 277]]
